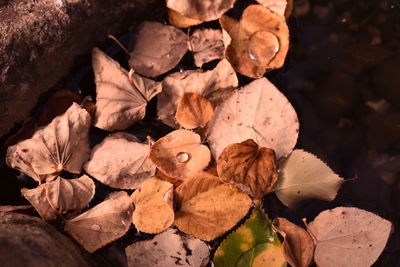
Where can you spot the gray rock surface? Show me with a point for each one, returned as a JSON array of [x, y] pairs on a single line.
[[39, 40], [30, 241]]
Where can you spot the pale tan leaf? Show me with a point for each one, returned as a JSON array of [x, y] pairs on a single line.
[[103, 224], [61, 145], [180, 154], [207, 45], [277, 6], [168, 249], [120, 102], [193, 111], [298, 245], [207, 208], [204, 10], [302, 176], [153, 203], [158, 48], [60, 196], [348, 237], [180, 21], [248, 166], [120, 161], [257, 111], [221, 78]]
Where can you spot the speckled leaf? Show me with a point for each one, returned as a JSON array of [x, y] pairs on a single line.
[[206, 45]]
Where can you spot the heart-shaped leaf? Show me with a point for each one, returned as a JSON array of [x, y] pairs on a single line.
[[193, 111]]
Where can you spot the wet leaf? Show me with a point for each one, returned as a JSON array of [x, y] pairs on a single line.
[[120, 161], [207, 45], [180, 21], [204, 10], [298, 245], [60, 196], [193, 111], [256, 111], [348, 237], [61, 145], [259, 42], [103, 224], [302, 176], [158, 48], [256, 231], [180, 154], [153, 203], [120, 101], [221, 78], [168, 249], [207, 208], [248, 166]]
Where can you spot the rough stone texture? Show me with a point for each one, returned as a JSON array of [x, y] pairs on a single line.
[[39, 40], [30, 241]]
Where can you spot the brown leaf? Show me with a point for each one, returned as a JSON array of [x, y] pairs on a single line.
[[221, 78], [28, 128], [9, 208], [298, 245], [60, 196], [207, 208], [158, 48], [193, 111], [168, 249], [277, 6], [102, 224], [120, 101], [207, 45], [259, 42], [61, 145], [113, 163], [204, 10], [248, 166], [180, 21], [153, 203], [180, 154], [162, 176]]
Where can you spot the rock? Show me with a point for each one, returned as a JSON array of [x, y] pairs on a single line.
[[30, 241], [39, 41]]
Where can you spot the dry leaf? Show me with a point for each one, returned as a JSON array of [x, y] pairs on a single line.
[[180, 154], [348, 237], [61, 145], [262, 255], [193, 111], [10, 208], [180, 21], [28, 128], [221, 78], [162, 176], [298, 245], [168, 249], [207, 208], [204, 10], [277, 6], [248, 166], [207, 45], [153, 203], [102, 224], [302, 176], [60, 196], [259, 42], [158, 48], [256, 111], [120, 102], [120, 161]]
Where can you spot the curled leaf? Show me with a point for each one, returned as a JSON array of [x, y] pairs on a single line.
[[61, 145], [120, 161], [153, 203], [193, 111], [180, 154], [60, 196], [256, 111], [207, 45], [302, 175], [348, 237], [158, 48], [120, 101], [298, 245], [180, 21], [102, 224], [168, 249], [249, 167], [207, 208]]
